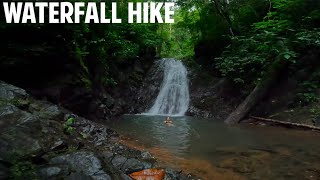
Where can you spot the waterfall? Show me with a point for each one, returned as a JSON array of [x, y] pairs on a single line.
[[173, 98]]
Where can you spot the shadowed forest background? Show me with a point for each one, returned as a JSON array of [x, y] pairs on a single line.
[[243, 41], [247, 61]]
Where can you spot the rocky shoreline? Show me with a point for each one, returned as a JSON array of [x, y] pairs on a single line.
[[40, 140]]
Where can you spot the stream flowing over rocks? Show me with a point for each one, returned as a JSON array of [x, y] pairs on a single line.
[[37, 136]]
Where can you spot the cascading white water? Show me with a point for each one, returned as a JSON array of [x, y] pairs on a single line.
[[173, 98]]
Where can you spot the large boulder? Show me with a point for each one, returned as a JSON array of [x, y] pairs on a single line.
[[83, 162], [9, 92], [150, 88]]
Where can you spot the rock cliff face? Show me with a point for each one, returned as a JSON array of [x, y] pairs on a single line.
[[211, 97], [51, 72], [42, 140], [149, 90]]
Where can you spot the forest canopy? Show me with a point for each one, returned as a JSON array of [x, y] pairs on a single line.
[[241, 38]]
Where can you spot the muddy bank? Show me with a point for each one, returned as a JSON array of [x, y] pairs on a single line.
[[42, 140]]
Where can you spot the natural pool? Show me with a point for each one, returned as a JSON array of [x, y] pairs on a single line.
[[213, 150]]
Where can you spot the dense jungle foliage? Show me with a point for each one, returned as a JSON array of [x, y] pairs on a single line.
[[90, 46], [238, 39]]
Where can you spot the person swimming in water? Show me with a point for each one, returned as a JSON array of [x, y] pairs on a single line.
[[168, 121]]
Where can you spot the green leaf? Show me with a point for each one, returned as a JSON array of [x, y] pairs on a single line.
[[287, 56]]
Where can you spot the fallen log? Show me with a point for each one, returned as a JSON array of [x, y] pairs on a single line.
[[258, 93], [287, 124]]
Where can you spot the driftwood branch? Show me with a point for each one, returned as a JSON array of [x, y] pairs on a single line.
[[287, 124]]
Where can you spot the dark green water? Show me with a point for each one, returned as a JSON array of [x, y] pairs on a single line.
[[254, 152]]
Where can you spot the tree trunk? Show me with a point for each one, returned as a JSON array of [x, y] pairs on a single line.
[[258, 93], [222, 10]]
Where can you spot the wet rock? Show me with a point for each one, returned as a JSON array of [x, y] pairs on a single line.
[[7, 109], [193, 111], [36, 131], [83, 162], [17, 143], [171, 174], [178, 175], [23, 104], [52, 111], [125, 177], [211, 97], [150, 88], [101, 176], [133, 165], [88, 129], [78, 176], [7, 115], [100, 136], [108, 101], [118, 161], [24, 119], [47, 111], [9, 92], [107, 155], [146, 155], [34, 107], [53, 171], [58, 145]]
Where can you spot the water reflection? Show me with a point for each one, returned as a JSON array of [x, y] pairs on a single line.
[[155, 132], [186, 136], [255, 152]]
